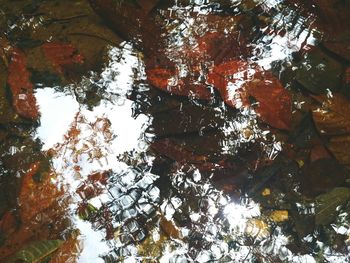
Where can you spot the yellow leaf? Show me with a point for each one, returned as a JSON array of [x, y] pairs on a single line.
[[279, 216]]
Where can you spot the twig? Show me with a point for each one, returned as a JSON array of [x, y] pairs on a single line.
[[94, 36]]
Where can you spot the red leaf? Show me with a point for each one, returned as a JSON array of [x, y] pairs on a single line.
[[225, 73], [24, 100], [161, 78], [275, 104], [62, 55]]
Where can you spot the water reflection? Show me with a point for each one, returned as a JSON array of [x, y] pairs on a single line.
[[173, 152]]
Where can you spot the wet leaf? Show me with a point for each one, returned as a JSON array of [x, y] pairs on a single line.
[[36, 252], [163, 78], [231, 72], [319, 72], [339, 45], [23, 97], [257, 228], [34, 196], [178, 153], [333, 120], [328, 203], [279, 216], [169, 228], [274, 102], [69, 251], [321, 176], [237, 83], [62, 56]]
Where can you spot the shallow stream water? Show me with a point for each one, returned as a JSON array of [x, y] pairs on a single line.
[[174, 131]]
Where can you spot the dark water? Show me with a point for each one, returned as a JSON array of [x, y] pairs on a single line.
[[174, 131]]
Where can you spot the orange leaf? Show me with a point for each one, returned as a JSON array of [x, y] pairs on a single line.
[[24, 100]]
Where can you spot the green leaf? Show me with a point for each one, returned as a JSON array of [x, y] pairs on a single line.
[[326, 204], [37, 251]]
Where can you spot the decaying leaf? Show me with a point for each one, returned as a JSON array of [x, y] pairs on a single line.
[[69, 251], [328, 203], [62, 56], [319, 72], [333, 119], [257, 228], [274, 102], [23, 97], [279, 216], [162, 79], [169, 228], [35, 197], [36, 252], [238, 82]]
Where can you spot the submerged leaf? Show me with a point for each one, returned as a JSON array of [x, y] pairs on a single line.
[[319, 72], [36, 252], [279, 216], [327, 204], [62, 55], [274, 102], [69, 251], [23, 97], [162, 79], [333, 119], [238, 82]]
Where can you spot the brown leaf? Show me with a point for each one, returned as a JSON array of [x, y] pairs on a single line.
[[161, 79], [23, 97], [237, 84], [69, 251], [169, 228], [35, 197], [62, 56], [333, 119]]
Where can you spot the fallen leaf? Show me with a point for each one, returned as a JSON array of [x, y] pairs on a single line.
[[318, 72], [170, 149], [327, 205], [274, 102], [237, 82], [257, 228], [36, 252], [332, 120], [228, 78], [333, 117], [68, 251], [162, 79], [62, 55], [279, 216], [23, 97], [35, 197], [169, 228]]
